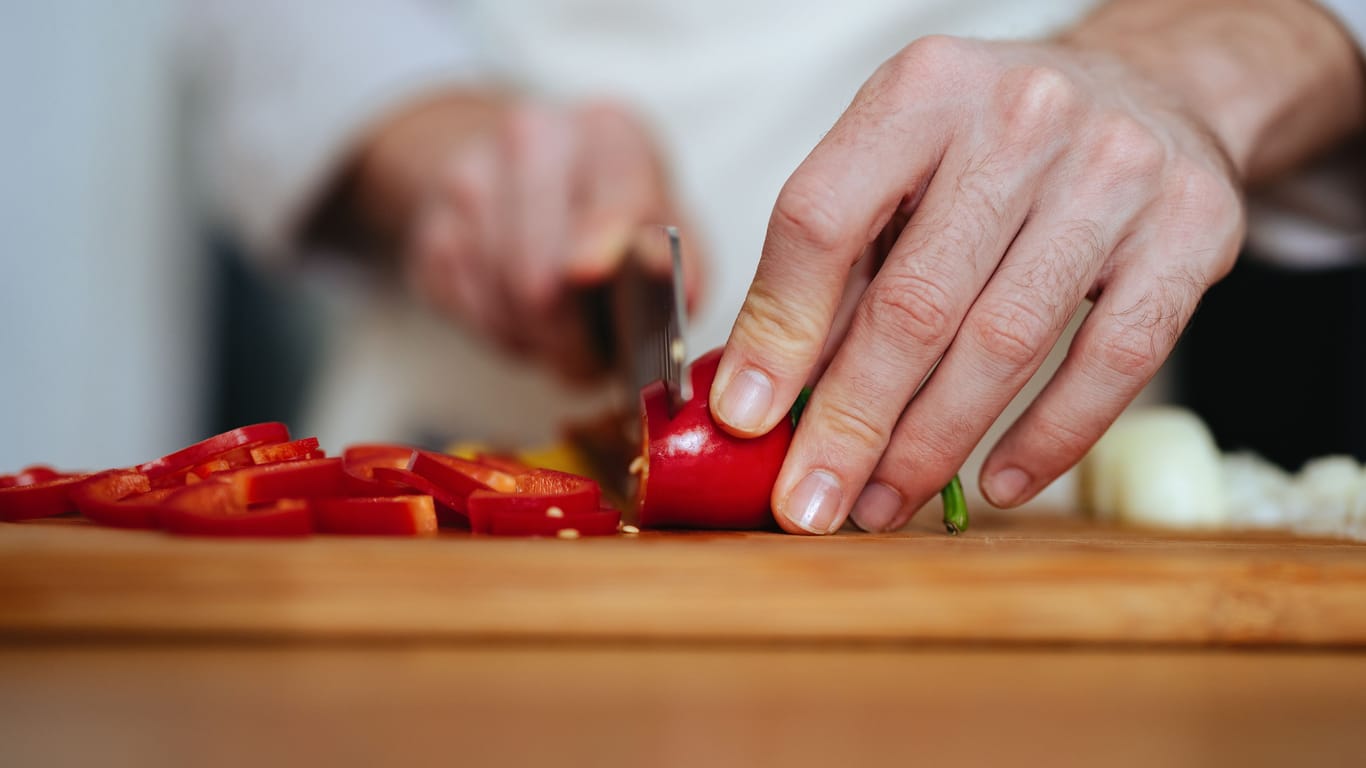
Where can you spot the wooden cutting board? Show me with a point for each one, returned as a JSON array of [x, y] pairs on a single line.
[[1011, 579]]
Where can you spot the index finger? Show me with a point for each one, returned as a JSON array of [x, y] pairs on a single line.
[[880, 152]]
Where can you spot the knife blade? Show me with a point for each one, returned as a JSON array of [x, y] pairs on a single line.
[[649, 314]]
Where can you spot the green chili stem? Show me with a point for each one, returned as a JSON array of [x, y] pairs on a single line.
[[796, 411], [955, 506]]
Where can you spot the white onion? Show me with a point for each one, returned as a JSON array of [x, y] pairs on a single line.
[[1156, 466]]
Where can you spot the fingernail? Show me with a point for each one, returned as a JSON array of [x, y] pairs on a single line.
[[745, 401], [876, 508], [1004, 488], [814, 504]]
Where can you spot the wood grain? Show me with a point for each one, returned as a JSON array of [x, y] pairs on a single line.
[[341, 705], [1009, 580]]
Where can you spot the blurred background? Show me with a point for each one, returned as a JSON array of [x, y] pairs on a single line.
[[143, 304]]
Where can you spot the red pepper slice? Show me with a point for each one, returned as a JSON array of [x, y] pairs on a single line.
[[286, 480], [298, 450], [539, 494], [208, 468], [38, 473], [214, 447], [40, 499], [460, 477], [361, 461], [383, 516], [451, 508], [122, 499], [212, 509], [697, 475]]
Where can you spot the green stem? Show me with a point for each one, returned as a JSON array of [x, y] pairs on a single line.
[[955, 506], [796, 411]]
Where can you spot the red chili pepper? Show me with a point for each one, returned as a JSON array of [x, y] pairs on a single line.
[[460, 477], [215, 447], [44, 498], [360, 462], [212, 509], [298, 450], [120, 498], [451, 508], [553, 499], [208, 468], [286, 480], [695, 474], [38, 473], [384, 516]]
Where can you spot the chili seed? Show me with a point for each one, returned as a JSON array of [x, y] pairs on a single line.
[[567, 533], [554, 512], [637, 465]]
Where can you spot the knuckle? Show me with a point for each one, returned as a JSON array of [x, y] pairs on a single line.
[[924, 455], [1073, 251], [1209, 205], [463, 182], [521, 129], [924, 55], [1129, 352], [1207, 195], [981, 204], [1126, 147], [907, 309], [1057, 437], [778, 330], [808, 212], [849, 425], [1031, 98], [530, 133], [1010, 332]]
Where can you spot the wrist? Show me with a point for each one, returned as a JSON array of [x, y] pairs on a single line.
[[1274, 81]]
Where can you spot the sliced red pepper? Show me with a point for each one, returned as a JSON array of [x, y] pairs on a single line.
[[38, 473], [286, 480], [298, 450], [451, 508], [383, 516], [461, 477], [361, 461], [208, 468], [214, 447], [541, 493], [45, 498], [108, 499], [212, 509], [697, 475]]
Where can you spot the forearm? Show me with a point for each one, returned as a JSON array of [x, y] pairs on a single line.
[[1275, 80]]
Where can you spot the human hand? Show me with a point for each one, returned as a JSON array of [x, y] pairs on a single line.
[[1013, 181], [511, 209]]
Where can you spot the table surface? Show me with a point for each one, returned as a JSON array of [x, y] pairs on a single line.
[[1028, 639]]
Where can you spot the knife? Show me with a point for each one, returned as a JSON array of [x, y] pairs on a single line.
[[648, 315]]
